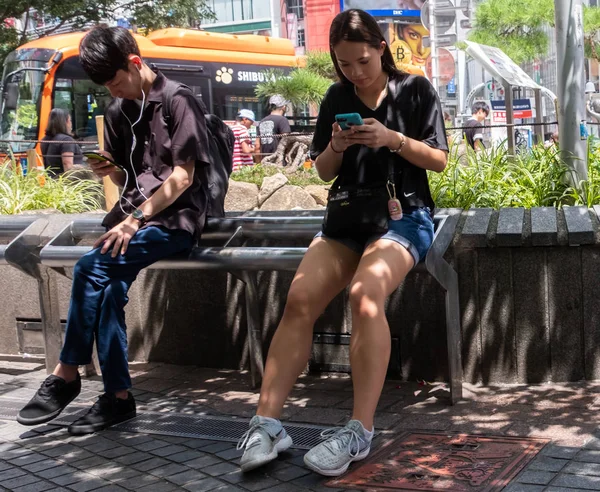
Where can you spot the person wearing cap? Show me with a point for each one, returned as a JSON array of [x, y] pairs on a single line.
[[243, 147], [274, 124]]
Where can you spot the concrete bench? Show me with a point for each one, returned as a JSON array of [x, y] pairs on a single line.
[[231, 255]]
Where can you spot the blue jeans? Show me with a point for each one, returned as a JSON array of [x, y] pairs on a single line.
[[99, 296]]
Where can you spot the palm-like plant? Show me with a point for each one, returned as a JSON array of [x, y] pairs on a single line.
[[303, 85]]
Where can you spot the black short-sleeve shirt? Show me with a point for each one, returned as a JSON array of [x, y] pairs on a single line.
[[157, 152], [474, 131], [415, 111], [274, 124], [53, 148]]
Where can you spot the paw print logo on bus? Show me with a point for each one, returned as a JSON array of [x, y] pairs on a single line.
[[224, 75]]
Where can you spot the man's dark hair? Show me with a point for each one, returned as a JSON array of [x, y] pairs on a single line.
[[480, 105], [105, 50]]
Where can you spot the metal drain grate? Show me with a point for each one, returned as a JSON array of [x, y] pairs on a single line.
[[229, 429], [10, 408], [214, 428]]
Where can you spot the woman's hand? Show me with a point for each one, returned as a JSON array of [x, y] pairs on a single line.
[[372, 134], [340, 139]]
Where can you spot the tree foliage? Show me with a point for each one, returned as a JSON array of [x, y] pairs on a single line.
[[303, 85], [517, 27], [319, 62], [150, 14]]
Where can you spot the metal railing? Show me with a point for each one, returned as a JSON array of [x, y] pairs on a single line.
[[232, 254], [242, 261]]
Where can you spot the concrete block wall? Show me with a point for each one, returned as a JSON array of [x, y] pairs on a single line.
[[528, 290]]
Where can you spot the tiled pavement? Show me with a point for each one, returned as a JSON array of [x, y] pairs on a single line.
[[47, 458]]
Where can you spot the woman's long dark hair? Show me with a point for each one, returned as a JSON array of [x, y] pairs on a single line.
[[57, 123], [357, 26]]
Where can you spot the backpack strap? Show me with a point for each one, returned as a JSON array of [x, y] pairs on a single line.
[[168, 93]]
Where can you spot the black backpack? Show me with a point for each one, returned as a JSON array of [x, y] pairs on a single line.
[[220, 152]]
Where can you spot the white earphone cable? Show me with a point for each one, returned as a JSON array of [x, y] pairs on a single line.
[[133, 146]]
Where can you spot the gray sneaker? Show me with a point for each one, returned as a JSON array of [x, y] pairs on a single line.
[[343, 446], [262, 442]]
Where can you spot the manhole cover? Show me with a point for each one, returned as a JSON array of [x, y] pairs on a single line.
[[437, 461]]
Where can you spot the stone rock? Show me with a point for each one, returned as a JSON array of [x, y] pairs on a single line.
[[318, 192], [270, 185], [289, 197], [241, 196]]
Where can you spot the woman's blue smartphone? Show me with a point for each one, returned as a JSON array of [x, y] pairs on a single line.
[[347, 120]]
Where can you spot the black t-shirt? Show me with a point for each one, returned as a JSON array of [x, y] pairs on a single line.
[[271, 125], [415, 111], [473, 132], [52, 152]]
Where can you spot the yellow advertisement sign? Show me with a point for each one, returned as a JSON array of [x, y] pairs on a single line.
[[406, 43]]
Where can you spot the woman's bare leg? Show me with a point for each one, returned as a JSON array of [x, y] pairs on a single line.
[[325, 270], [383, 266]]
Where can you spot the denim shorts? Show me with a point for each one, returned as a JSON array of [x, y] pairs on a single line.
[[414, 231]]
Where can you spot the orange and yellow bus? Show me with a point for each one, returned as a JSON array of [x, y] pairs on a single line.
[[222, 69]]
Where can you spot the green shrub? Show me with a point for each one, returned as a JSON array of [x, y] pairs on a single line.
[[490, 179], [36, 191]]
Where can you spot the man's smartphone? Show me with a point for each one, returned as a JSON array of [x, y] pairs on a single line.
[[347, 120], [94, 154]]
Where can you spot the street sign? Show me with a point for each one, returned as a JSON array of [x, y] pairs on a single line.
[[446, 66], [440, 41], [445, 15], [521, 109], [451, 87], [500, 66]]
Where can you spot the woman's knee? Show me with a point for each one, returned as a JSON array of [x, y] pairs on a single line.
[[366, 299], [300, 303]]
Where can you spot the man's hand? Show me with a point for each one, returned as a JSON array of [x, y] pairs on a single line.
[[102, 168], [118, 237]]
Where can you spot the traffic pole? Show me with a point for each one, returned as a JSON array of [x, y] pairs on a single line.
[[433, 45], [568, 16]]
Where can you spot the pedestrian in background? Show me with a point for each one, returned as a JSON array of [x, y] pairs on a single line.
[[243, 148], [59, 149], [274, 124], [474, 125]]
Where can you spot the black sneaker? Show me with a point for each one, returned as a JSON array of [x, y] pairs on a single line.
[[51, 399], [108, 410]]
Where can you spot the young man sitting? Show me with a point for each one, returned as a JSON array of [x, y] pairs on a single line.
[[161, 209]]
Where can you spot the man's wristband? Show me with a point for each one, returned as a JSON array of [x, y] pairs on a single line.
[[336, 151]]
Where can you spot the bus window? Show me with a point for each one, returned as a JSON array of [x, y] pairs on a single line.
[[228, 105], [22, 123], [84, 100], [200, 85]]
